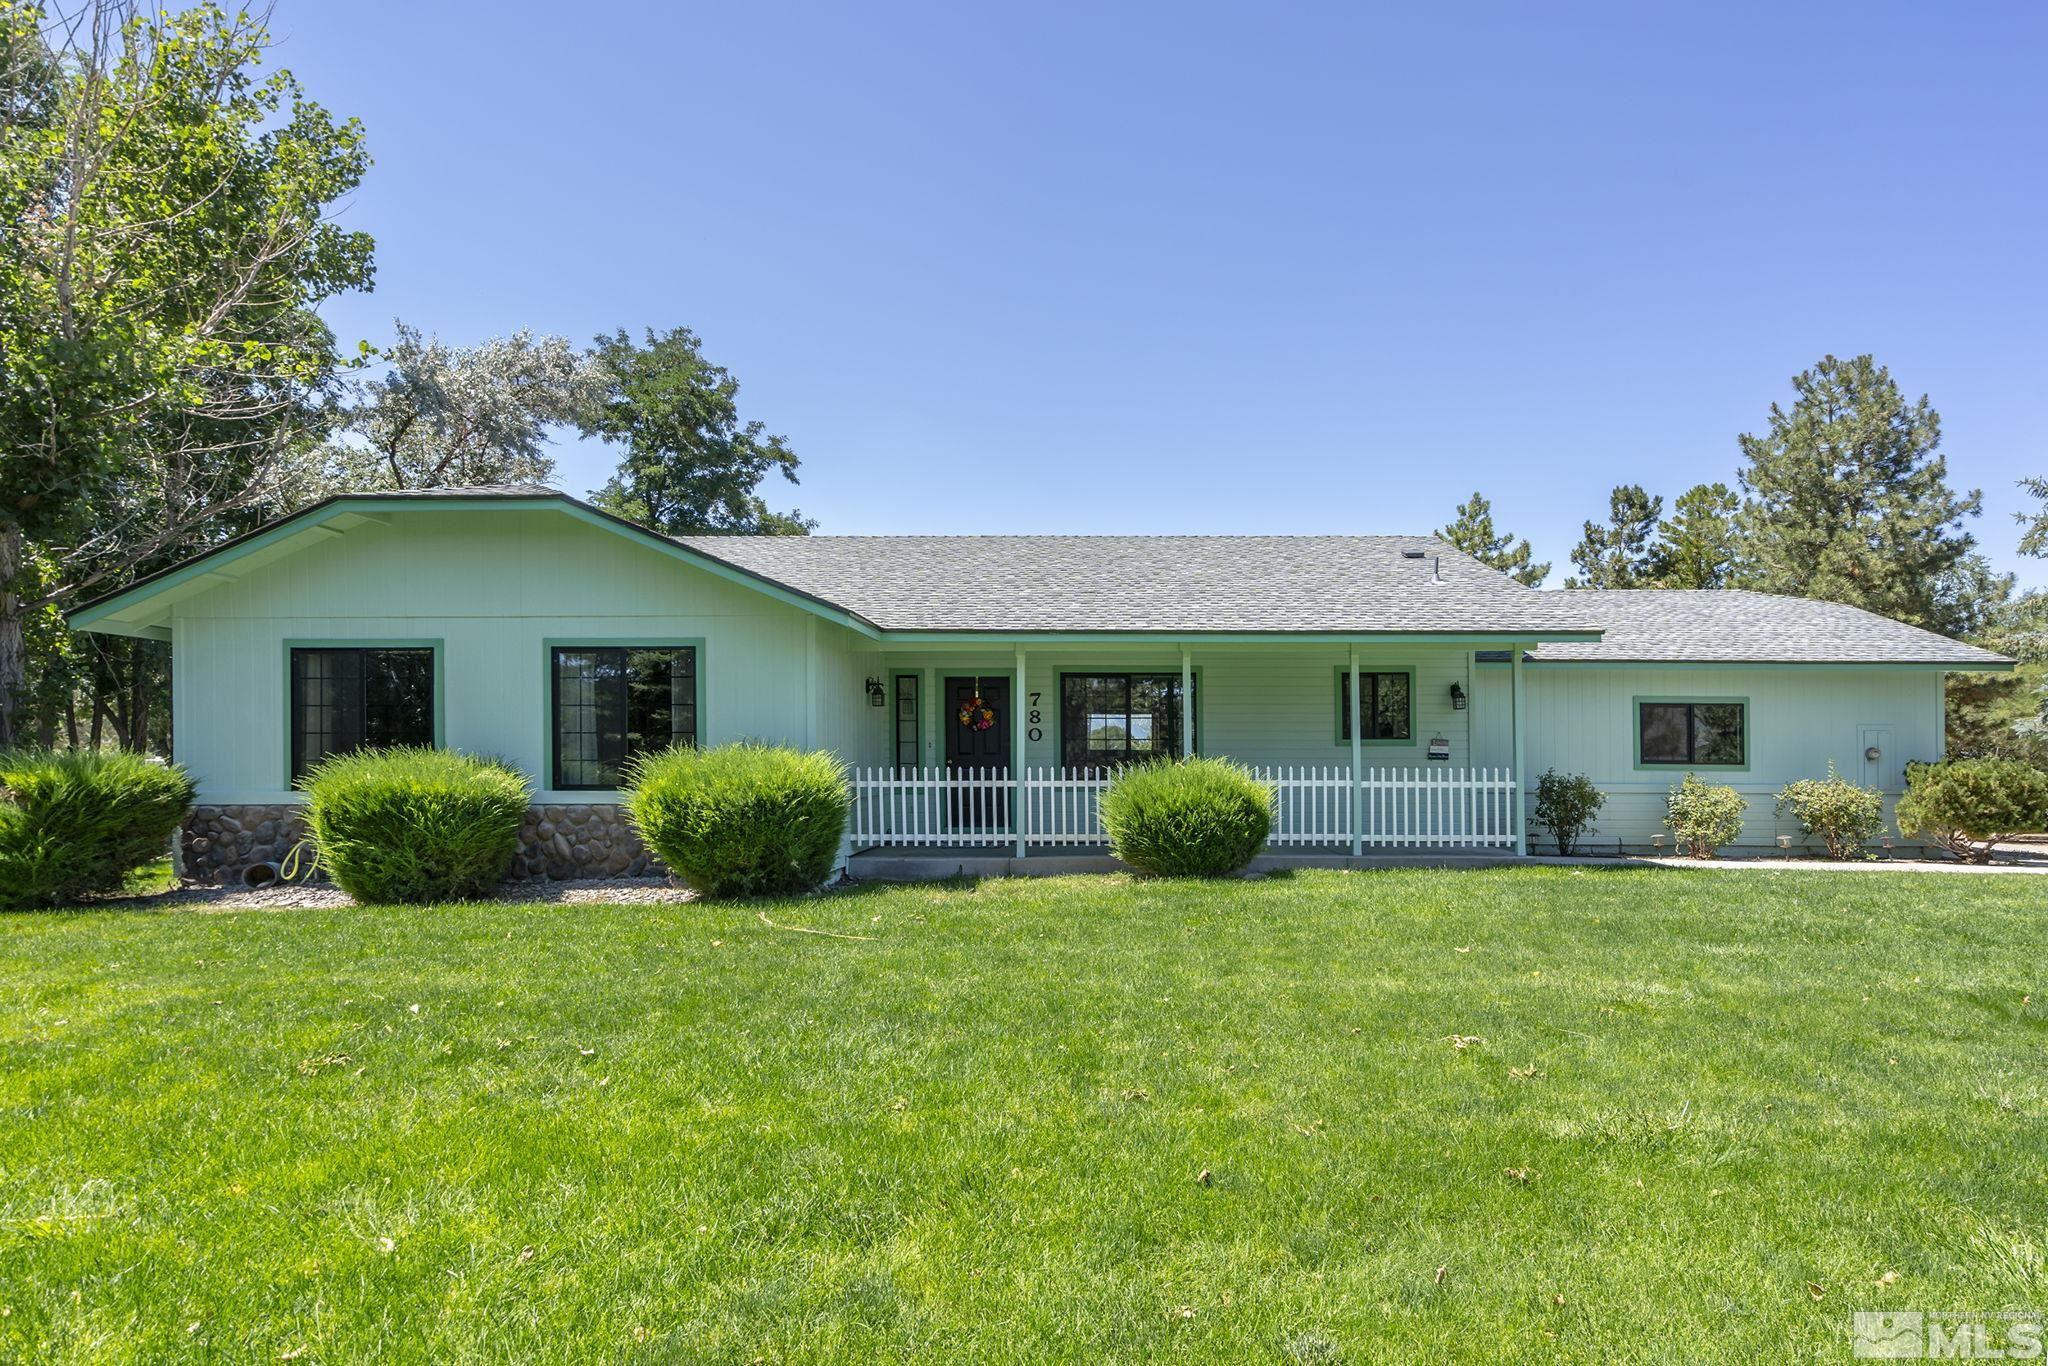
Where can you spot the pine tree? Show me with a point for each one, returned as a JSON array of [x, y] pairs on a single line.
[[1847, 499], [1622, 553], [1696, 544], [1472, 532]]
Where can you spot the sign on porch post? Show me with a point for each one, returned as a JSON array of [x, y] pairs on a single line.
[[1357, 763], [1020, 809]]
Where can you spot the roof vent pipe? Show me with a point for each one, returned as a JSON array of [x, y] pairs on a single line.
[[1437, 574]]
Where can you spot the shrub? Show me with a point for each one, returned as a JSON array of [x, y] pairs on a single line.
[[412, 824], [1968, 805], [1191, 818], [741, 820], [1703, 816], [1844, 815], [80, 822], [1565, 806]]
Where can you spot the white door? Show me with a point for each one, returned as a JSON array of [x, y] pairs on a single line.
[[1881, 768]]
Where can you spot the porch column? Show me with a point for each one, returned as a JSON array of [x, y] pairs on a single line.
[[1357, 762], [1521, 818], [1019, 810], [1187, 709]]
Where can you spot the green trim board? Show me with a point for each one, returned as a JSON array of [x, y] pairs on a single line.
[[1157, 639], [1342, 675], [103, 613], [544, 780], [1926, 666], [435, 643], [1059, 709], [1635, 721]]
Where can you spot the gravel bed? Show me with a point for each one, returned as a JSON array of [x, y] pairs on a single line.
[[636, 891]]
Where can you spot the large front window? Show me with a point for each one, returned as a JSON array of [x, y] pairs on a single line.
[[1112, 719], [1692, 734], [353, 697], [612, 703]]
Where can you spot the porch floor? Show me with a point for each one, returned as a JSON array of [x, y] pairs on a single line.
[[931, 863]]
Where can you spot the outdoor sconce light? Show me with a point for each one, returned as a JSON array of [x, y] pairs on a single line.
[[1457, 697], [876, 697]]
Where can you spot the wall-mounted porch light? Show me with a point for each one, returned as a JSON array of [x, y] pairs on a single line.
[[1457, 697], [876, 695]]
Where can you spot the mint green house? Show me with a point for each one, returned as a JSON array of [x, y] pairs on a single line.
[[1397, 694]]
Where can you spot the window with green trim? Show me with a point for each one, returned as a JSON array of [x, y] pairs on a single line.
[[350, 698], [1112, 719], [1388, 705], [1692, 733], [610, 703]]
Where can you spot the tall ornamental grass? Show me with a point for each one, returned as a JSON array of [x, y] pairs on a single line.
[[743, 819], [79, 822], [414, 825], [1190, 818]]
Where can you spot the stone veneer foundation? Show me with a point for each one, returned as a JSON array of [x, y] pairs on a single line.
[[578, 840]]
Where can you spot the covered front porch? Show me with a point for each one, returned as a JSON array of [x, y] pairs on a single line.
[[1373, 747]]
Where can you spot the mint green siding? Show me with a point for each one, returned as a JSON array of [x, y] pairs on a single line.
[[490, 590], [1581, 719]]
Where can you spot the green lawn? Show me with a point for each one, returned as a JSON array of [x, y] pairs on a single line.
[[1554, 1113]]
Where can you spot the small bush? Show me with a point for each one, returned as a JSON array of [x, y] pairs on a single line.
[[741, 820], [1703, 816], [1191, 818], [1968, 805], [79, 822], [414, 825], [1565, 806], [1844, 815]]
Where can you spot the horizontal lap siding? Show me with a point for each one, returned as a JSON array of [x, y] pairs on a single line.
[[1582, 720]]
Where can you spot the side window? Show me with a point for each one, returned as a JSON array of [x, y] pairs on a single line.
[[1703, 734], [346, 698], [907, 744]]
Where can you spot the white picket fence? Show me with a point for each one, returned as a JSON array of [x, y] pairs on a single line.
[[1417, 807]]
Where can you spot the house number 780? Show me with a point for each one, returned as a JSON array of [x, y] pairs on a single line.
[[1035, 719]]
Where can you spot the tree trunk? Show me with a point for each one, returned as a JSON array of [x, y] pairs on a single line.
[[13, 647]]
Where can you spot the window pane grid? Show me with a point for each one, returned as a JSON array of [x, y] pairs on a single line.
[[614, 703], [1112, 719], [350, 697], [907, 744]]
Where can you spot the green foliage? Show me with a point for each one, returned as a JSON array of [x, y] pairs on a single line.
[[742, 819], [1472, 532], [1703, 816], [81, 822], [1566, 804], [1696, 544], [1968, 805], [1844, 815], [690, 464], [413, 824], [1848, 501], [1187, 818], [168, 239], [1621, 553]]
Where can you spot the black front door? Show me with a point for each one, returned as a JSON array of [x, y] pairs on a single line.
[[981, 742]]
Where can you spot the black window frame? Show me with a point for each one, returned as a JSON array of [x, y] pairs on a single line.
[[914, 717], [1370, 682], [1692, 708], [1167, 746], [360, 732], [625, 749]]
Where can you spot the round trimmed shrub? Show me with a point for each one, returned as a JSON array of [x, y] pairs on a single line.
[[412, 825], [1191, 818], [742, 819], [79, 822], [1703, 816], [1968, 805]]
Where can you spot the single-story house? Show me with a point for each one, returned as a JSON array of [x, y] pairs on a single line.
[[1399, 694]]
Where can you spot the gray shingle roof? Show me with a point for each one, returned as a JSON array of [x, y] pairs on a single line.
[[1349, 584], [1711, 625]]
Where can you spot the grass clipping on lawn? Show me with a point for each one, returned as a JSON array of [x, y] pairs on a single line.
[[1530, 1112]]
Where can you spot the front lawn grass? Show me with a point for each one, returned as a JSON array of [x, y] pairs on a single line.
[[1537, 1112]]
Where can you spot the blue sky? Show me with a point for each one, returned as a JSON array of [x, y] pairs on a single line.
[[1229, 268]]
